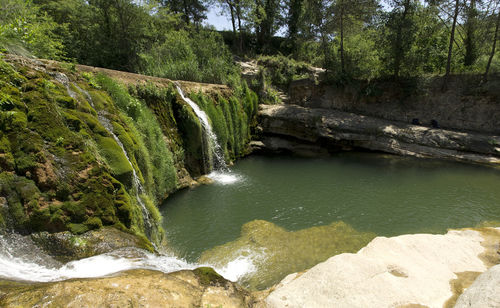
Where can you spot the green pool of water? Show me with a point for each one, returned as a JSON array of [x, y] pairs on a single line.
[[349, 198]]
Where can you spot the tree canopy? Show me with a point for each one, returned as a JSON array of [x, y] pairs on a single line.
[[351, 39]]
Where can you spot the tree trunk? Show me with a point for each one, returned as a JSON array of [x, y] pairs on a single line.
[[342, 61], [470, 38], [492, 54], [231, 11], [450, 48], [398, 56], [238, 16]]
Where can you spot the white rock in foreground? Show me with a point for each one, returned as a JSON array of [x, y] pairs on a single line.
[[484, 292], [388, 272]]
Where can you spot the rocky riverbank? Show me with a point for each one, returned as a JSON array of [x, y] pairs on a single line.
[[316, 131], [419, 270], [136, 288]]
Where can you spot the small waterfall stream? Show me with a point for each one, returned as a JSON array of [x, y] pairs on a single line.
[[135, 179], [138, 188], [216, 154], [21, 259]]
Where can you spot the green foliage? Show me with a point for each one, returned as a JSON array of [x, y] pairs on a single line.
[[191, 132], [25, 30], [282, 70], [189, 55], [231, 119], [144, 142]]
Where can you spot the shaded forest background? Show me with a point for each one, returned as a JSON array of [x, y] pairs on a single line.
[[351, 39]]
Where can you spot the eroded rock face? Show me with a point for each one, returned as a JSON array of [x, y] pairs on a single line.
[[389, 272], [484, 292], [465, 105], [340, 130], [65, 246], [136, 288]]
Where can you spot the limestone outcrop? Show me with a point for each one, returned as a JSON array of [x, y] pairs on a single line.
[[405, 271], [137, 288], [484, 292], [285, 126]]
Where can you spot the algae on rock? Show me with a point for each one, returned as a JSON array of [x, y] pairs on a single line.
[[63, 170], [276, 252]]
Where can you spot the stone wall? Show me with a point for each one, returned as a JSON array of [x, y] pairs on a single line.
[[465, 105]]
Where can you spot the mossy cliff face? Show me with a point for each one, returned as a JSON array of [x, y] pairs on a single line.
[[70, 143]]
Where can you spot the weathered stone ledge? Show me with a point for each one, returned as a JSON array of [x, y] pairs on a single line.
[[136, 288], [337, 129], [418, 270]]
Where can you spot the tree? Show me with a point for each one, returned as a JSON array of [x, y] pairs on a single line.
[[346, 15], [493, 47], [191, 10], [266, 19], [235, 8], [401, 33], [295, 8], [24, 29], [450, 48], [471, 48]]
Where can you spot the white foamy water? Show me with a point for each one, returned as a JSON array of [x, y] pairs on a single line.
[[215, 150], [238, 268], [225, 177], [20, 259]]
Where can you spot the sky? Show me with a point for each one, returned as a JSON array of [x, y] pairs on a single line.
[[219, 22]]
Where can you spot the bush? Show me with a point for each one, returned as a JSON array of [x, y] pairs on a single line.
[[25, 30], [190, 55]]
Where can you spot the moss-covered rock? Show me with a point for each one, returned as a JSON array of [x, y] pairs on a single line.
[[63, 169], [191, 132]]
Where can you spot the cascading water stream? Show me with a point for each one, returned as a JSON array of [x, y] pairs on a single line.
[[220, 173], [214, 148], [64, 80], [135, 179], [21, 259]]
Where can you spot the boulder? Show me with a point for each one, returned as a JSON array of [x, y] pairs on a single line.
[[484, 292]]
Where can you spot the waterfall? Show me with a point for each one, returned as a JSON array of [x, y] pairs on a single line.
[[136, 181], [21, 259], [64, 80], [216, 154]]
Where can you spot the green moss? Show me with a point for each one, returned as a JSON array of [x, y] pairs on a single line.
[[277, 252], [72, 121], [78, 228], [75, 211], [93, 223], [66, 101], [21, 194], [115, 158], [207, 276], [192, 136]]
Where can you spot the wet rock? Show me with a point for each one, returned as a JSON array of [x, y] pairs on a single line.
[[270, 252], [136, 288], [65, 246], [204, 180]]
